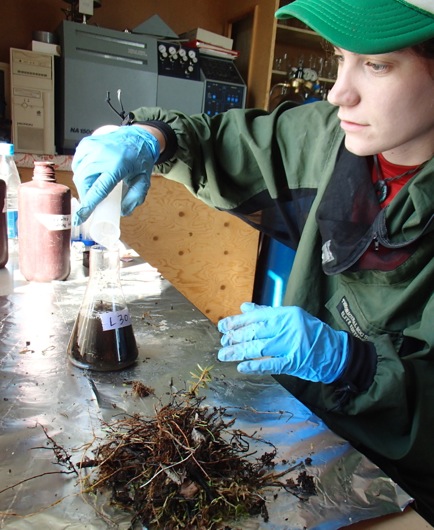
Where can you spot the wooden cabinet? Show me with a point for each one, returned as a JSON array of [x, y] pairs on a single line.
[[302, 64], [275, 47]]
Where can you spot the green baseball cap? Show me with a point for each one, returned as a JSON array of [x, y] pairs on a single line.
[[366, 26]]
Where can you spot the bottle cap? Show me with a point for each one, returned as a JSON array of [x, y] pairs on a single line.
[[6, 149], [44, 170]]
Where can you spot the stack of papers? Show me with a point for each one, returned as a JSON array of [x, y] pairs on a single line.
[[209, 43], [45, 47]]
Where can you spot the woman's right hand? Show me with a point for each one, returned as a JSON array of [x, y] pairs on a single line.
[[101, 161]]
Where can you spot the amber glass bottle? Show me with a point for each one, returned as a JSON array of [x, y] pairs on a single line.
[[44, 226]]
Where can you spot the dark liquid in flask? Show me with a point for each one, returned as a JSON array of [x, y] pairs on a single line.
[[95, 349]]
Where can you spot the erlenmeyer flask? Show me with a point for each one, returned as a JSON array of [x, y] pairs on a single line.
[[102, 338]]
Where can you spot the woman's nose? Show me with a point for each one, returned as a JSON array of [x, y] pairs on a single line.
[[345, 91]]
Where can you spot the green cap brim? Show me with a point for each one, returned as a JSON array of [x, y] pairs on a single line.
[[363, 26]]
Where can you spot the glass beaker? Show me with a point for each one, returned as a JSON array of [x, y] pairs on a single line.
[[102, 338]]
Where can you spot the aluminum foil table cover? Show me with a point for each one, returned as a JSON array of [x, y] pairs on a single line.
[[41, 390]]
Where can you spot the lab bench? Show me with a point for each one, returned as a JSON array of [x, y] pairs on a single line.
[[43, 394], [208, 255]]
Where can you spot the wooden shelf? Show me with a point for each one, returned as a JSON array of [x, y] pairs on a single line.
[[299, 37], [292, 45], [282, 74]]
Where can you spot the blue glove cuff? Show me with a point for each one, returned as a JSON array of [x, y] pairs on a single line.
[[165, 129], [343, 346], [149, 140]]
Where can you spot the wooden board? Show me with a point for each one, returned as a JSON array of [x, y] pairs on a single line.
[[209, 256]]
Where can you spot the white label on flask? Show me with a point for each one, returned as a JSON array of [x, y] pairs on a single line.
[[115, 319], [54, 221]]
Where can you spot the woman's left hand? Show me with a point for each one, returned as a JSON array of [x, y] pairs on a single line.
[[283, 340]]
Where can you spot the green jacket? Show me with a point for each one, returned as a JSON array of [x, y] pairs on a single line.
[[277, 168]]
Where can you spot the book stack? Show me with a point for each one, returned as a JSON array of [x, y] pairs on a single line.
[[209, 43]]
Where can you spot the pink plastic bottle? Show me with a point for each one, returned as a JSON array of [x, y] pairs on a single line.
[[44, 226]]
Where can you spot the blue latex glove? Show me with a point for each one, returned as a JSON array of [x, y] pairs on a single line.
[[100, 162], [283, 340]]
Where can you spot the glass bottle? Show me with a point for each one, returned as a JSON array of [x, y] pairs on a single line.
[[102, 338], [44, 226], [9, 173], [4, 252]]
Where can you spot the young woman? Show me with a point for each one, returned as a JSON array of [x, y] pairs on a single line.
[[349, 183]]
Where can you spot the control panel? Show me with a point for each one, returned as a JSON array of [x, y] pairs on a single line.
[[224, 86], [220, 97], [175, 60], [223, 70]]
